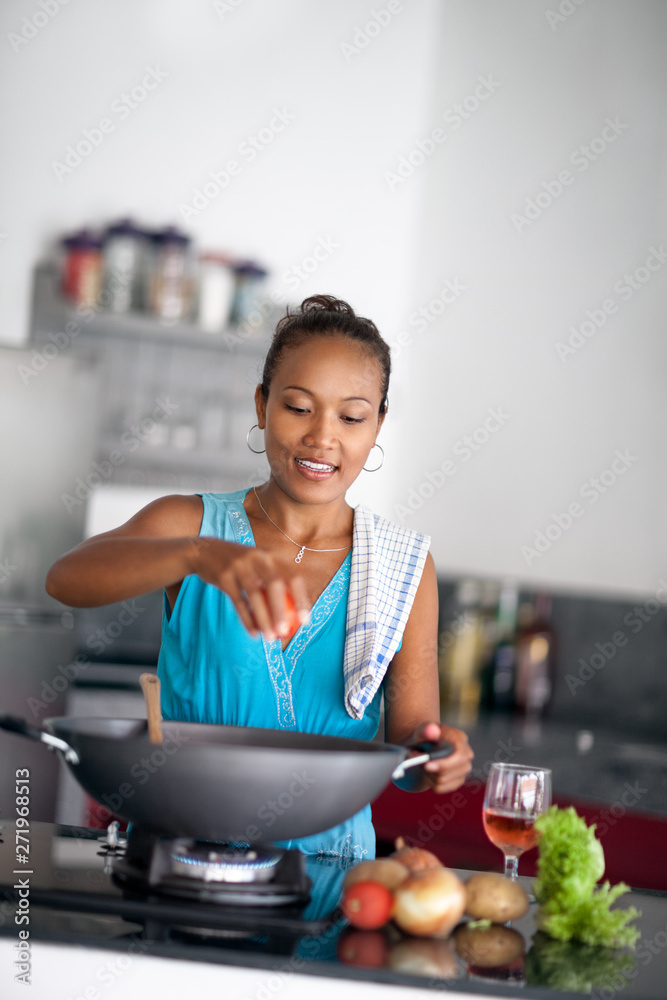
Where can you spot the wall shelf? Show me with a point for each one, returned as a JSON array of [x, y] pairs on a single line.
[[174, 402]]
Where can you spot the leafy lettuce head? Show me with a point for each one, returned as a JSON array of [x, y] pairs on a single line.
[[571, 859]]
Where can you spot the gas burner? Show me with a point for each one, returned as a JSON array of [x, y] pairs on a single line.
[[252, 875], [223, 862]]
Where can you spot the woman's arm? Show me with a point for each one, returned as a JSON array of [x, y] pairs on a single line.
[[155, 549], [159, 547], [412, 698]]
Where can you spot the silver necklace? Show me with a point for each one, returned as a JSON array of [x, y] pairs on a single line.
[[301, 548]]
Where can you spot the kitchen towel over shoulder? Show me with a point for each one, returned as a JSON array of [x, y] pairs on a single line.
[[387, 564]]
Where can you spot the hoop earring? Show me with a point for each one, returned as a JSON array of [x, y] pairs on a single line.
[[377, 468], [247, 441]]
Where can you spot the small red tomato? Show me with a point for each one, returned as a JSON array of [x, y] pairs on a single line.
[[293, 622], [367, 905], [291, 616]]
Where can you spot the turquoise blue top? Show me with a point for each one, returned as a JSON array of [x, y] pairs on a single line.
[[212, 671]]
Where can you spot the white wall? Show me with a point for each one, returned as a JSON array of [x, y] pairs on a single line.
[[329, 175], [228, 66], [555, 86]]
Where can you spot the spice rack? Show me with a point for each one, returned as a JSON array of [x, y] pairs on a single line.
[[175, 403]]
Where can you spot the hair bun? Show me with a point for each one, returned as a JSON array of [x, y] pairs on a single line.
[[326, 303]]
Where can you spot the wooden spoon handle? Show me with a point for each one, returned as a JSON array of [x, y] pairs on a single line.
[[150, 685]]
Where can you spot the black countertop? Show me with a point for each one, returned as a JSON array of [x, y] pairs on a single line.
[[73, 901], [596, 764]]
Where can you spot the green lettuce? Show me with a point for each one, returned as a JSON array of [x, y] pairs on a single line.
[[572, 906]]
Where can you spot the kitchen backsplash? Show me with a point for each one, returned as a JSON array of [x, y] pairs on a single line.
[[609, 660]]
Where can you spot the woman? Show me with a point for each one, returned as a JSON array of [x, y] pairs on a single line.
[[364, 589]]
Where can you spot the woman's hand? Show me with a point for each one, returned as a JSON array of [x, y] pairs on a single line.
[[267, 592], [447, 773]]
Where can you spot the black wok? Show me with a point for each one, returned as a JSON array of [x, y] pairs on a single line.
[[223, 782]]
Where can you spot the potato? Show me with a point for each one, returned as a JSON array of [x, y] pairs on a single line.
[[494, 897], [488, 947], [386, 871]]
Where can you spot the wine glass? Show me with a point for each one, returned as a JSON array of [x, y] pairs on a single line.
[[515, 796]]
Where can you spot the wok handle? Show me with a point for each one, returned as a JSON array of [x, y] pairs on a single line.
[[431, 751], [14, 724]]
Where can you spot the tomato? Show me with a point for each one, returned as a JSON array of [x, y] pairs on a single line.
[[367, 905], [291, 616], [293, 621]]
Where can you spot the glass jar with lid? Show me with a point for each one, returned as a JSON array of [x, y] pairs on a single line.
[[170, 278], [123, 252], [82, 268]]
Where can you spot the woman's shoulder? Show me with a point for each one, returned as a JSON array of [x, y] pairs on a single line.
[[387, 530], [171, 516]]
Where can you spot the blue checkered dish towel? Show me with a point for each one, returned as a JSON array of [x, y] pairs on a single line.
[[387, 564]]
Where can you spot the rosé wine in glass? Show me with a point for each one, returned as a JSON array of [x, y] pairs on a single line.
[[516, 794]]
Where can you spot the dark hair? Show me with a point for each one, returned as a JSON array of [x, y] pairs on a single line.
[[326, 316]]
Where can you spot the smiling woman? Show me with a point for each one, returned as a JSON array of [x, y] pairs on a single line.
[[230, 564]]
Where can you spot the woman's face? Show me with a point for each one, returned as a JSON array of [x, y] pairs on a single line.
[[321, 417]]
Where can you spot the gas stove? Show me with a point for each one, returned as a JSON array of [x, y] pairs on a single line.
[[164, 886], [227, 874]]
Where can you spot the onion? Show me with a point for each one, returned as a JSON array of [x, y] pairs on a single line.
[[431, 903], [415, 859]]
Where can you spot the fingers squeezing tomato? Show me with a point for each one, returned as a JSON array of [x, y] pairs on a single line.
[[292, 618]]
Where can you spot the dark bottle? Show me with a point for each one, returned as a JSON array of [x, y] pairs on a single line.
[[503, 663], [535, 662]]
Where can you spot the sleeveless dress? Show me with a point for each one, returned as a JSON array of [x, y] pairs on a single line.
[[212, 671]]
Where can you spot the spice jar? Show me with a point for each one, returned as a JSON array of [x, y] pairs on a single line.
[[123, 249], [215, 291], [82, 268], [170, 279], [249, 280]]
